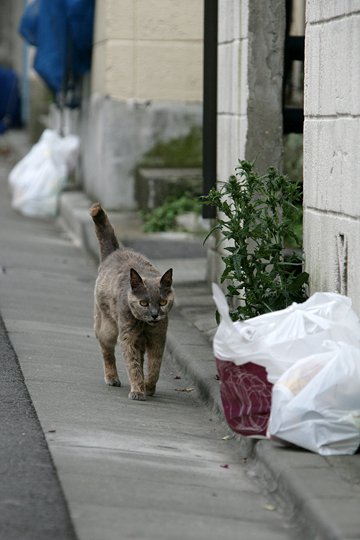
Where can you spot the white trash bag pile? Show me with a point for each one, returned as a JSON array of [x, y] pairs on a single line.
[[311, 353], [37, 180]]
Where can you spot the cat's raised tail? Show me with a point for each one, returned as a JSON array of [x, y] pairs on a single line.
[[104, 231]]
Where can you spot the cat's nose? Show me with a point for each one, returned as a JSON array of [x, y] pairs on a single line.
[[154, 315]]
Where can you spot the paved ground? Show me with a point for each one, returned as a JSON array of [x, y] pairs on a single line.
[[152, 470], [161, 473], [30, 491]]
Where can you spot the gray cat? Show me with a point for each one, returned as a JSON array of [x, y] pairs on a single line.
[[132, 302]]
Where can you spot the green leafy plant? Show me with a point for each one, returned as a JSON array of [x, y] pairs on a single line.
[[185, 151], [256, 213], [163, 218]]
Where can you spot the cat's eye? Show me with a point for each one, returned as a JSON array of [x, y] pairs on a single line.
[[163, 302], [144, 303]]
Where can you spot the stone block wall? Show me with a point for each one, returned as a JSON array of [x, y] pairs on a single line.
[[232, 84], [250, 74], [250, 60], [146, 87], [331, 147], [148, 49]]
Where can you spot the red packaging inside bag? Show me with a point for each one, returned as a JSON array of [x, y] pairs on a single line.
[[246, 397]]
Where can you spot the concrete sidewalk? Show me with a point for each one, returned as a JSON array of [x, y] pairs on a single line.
[[46, 302], [107, 467], [321, 493]]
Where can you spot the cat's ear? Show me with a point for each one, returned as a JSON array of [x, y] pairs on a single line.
[[166, 280], [136, 281]]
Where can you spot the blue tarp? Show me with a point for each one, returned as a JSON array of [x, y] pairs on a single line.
[[29, 23], [9, 100], [62, 31]]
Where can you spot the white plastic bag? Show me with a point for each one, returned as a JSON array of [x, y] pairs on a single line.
[[38, 178], [278, 339], [316, 402]]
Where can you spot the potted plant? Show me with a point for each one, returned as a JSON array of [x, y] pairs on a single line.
[[256, 216], [256, 219]]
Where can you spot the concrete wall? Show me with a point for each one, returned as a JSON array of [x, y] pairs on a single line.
[[331, 147], [233, 87], [250, 74], [115, 134], [148, 49], [16, 54], [251, 36], [10, 41], [146, 86]]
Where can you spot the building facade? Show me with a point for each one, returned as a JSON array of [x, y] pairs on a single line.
[[332, 146], [250, 79], [146, 87], [249, 39]]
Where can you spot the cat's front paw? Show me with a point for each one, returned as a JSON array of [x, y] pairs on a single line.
[[138, 396], [150, 389], [112, 381]]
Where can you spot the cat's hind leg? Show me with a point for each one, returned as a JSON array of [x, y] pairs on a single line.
[[106, 332]]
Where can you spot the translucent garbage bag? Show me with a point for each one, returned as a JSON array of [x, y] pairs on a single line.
[[251, 355], [316, 402], [277, 339], [37, 180]]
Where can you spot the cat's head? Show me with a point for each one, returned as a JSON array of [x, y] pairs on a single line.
[[150, 299]]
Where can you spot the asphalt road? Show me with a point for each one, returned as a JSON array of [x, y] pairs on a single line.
[[32, 504]]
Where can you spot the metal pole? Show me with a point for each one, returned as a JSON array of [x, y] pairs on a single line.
[[25, 79], [210, 101]]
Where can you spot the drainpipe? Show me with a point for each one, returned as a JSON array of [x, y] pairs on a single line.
[[210, 101]]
